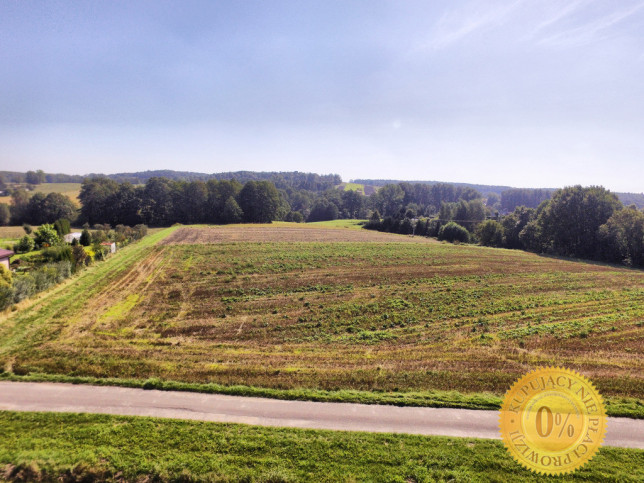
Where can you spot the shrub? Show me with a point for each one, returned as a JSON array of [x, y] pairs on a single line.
[[63, 270], [25, 245], [490, 233], [62, 227], [140, 231], [27, 228], [85, 238], [79, 255], [58, 254], [46, 236], [453, 232], [23, 288], [5, 276], [6, 296]]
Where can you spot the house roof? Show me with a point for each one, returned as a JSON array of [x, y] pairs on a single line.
[[6, 253]]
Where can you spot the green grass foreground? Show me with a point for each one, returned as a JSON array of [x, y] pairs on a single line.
[[81, 447]]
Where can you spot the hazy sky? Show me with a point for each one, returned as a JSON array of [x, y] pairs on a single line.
[[530, 93]]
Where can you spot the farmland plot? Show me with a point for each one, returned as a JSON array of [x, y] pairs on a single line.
[[296, 308]]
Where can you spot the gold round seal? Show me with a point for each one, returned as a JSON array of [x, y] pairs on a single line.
[[552, 420]]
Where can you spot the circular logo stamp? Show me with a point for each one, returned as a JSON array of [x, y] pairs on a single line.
[[552, 420]]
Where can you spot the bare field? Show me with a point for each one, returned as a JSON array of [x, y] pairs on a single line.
[[339, 315], [294, 233]]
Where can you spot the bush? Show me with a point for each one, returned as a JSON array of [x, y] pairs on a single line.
[[452, 232], [58, 254], [6, 296], [62, 227], [46, 236], [23, 287], [25, 245], [79, 255], [5, 276], [63, 270], [140, 231], [85, 238], [490, 233]]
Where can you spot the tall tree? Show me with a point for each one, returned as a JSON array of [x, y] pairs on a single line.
[[94, 196], [622, 237], [569, 224], [260, 202]]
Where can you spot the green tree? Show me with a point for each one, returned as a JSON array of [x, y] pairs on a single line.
[[389, 199], [354, 204], [514, 223], [323, 210], [157, 207], [5, 214], [453, 232], [232, 213], [94, 196], [569, 223], [25, 245], [18, 208], [85, 238], [218, 194], [46, 236], [490, 233], [35, 177], [622, 237], [260, 201], [62, 227]]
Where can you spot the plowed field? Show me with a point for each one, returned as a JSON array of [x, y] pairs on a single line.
[[312, 308]]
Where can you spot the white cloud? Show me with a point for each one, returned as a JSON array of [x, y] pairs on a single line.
[[460, 23], [590, 31]]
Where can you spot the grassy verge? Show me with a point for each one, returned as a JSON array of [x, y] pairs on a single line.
[[615, 407], [82, 447], [53, 306]]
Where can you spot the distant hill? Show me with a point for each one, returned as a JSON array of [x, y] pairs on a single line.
[[481, 188], [281, 179], [636, 199]]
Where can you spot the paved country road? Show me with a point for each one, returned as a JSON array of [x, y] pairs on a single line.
[[29, 396]]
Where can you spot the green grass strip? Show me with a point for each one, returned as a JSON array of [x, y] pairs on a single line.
[[88, 447]]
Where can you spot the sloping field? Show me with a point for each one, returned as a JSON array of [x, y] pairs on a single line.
[[71, 190], [293, 233], [260, 306]]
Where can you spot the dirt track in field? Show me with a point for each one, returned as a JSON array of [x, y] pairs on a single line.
[[260, 234]]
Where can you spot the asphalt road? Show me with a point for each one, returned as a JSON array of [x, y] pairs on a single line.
[[27, 396]]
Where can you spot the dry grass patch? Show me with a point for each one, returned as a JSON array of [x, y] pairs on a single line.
[[276, 234]]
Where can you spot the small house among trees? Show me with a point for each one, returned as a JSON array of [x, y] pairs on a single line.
[[5, 257], [70, 237]]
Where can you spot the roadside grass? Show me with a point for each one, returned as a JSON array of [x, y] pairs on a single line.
[[84, 447], [383, 322]]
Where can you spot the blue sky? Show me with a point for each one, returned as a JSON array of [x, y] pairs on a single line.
[[522, 93]]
